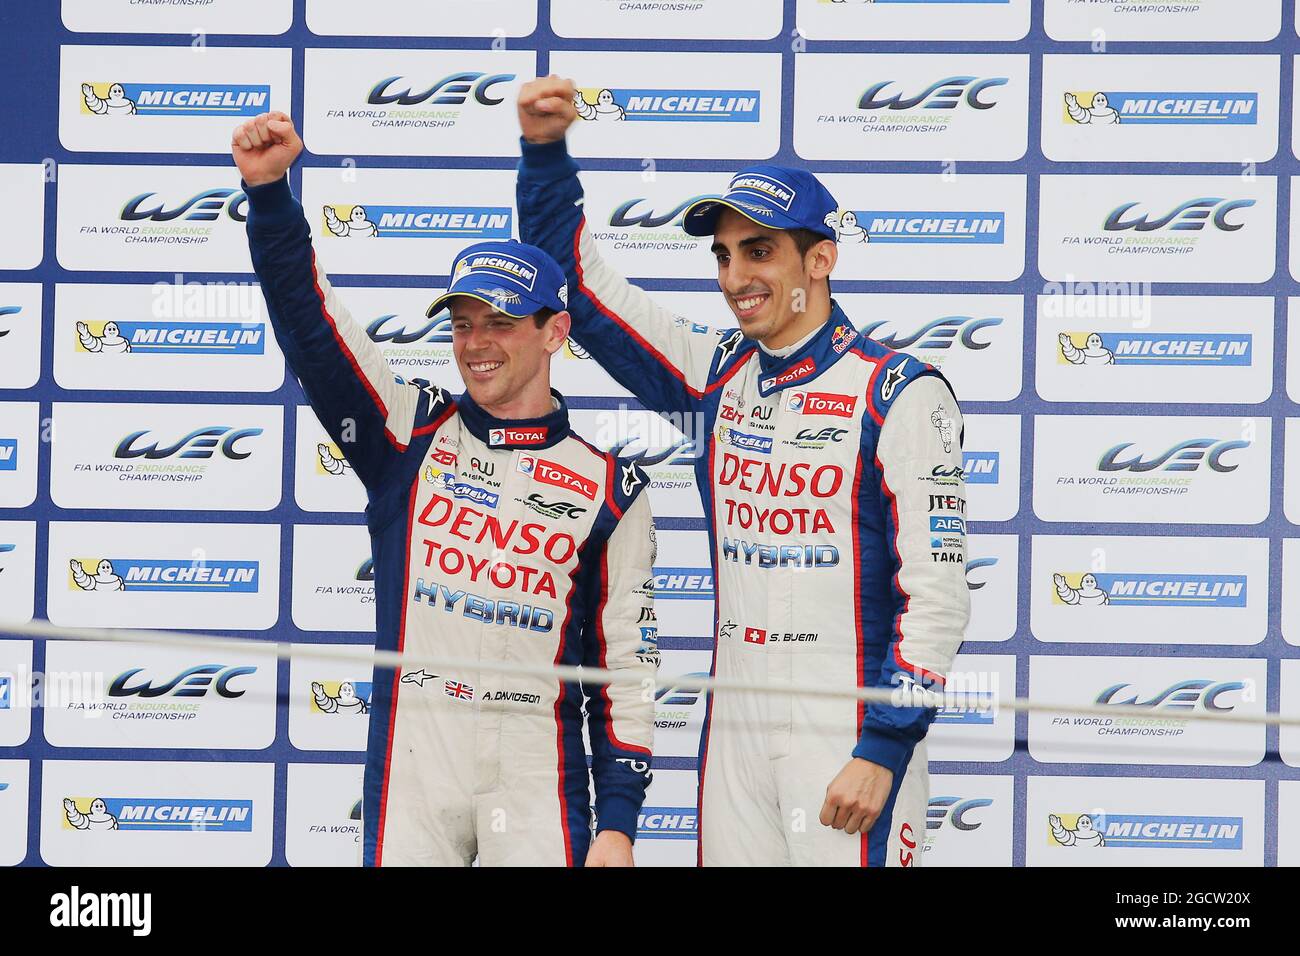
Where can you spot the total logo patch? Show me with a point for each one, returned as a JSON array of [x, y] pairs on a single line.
[[821, 403], [517, 436], [550, 473], [793, 374]]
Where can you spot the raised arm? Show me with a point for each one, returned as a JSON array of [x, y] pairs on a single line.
[[367, 411], [662, 359]]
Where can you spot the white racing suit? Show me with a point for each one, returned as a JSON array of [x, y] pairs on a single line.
[[495, 540], [834, 496]]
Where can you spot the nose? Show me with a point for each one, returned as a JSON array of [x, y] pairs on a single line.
[[477, 338], [737, 275]]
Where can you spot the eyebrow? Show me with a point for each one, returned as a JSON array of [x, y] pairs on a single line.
[[744, 243], [491, 315]]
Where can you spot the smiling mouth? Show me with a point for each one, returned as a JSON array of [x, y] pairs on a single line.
[[483, 367], [750, 303]]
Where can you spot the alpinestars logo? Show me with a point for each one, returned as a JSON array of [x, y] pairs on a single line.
[[632, 477], [727, 347], [893, 378]]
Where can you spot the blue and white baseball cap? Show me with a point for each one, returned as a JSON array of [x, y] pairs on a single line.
[[514, 278], [780, 197]]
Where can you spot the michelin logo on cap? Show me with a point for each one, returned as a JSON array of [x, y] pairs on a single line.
[[772, 190], [779, 197], [497, 263], [513, 277]]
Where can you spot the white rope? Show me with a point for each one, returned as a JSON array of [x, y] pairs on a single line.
[[402, 661]]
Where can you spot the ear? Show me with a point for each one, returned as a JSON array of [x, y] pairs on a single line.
[[822, 258], [560, 325]]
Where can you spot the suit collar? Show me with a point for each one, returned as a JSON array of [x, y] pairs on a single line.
[[835, 337], [534, 433]]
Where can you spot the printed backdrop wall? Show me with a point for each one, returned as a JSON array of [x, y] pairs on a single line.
[[1132, 528]]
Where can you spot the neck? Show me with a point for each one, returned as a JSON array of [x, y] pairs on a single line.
[[532, 401], [802, 323]]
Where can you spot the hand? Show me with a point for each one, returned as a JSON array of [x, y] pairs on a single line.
[[610, 848], [265, 147], [856, 796], [546, 109]]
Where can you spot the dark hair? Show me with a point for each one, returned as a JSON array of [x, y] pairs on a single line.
[[542, 316], [804, 240]]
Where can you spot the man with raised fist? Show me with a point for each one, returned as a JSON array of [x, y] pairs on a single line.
[[497, 535], [833, 491]]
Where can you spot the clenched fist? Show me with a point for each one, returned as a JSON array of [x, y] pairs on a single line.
[[856, 796], [546, 108], [265, 147]]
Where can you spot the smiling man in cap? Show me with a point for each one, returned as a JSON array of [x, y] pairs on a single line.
[[497, 535], [833, 492]]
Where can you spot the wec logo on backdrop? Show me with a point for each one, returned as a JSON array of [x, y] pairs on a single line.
[[624, 218], [391, 329], [1195, 694], [452, 90], [191, 682], [201, 443], [1189, 216], [1185, 456], [205, 206], [945, 94], [940, 333]]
